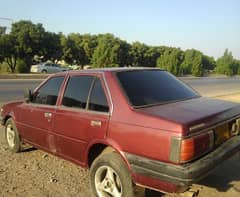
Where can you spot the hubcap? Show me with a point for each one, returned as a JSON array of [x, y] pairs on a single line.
[[10, 135], [107, 182]]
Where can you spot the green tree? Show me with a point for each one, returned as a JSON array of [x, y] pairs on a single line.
[[73, 52], [52, 49], [29, 39], [123, 56], [225, 64], [8, 52], [150, 57], [193, 63], [2, 30], [197, 65], [106, 52], [208, 63], [136, 53], [89, 43], [236, 66], [187, 64], [171, 61]]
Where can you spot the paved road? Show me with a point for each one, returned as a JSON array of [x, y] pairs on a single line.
[[215, 86], [11, 89]]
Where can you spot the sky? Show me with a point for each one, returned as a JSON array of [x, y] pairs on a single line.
[[210, 26]]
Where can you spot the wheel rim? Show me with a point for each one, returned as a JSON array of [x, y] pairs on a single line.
[[10, 135], [107, 182]]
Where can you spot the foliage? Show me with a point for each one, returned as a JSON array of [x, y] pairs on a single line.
[[4, 67], [123, 56], [29, 39], [28, 42], [8, 51], [193, 63], [51, 47], [137, 52], [106, 52], [142, 55], [171, 61], [89, 43], [21, 67], [208, 63], [197, 66], [237, 67], [225, 64], [2, 30], [73, 52], [186, 66]]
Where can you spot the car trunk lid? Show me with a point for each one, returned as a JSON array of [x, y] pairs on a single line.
[[195, 114]]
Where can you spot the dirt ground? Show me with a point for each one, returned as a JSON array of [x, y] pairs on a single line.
[[34, 173]]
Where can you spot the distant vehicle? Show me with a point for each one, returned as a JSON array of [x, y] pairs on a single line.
[[130, 126], [47, 68]]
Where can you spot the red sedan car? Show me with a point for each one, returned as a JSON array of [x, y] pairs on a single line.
[[129, 126]]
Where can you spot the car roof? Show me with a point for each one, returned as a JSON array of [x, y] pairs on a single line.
[[117, 69]]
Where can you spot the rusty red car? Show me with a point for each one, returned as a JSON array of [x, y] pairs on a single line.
[[129, 126]]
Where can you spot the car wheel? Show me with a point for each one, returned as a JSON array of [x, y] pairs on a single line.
[[44, 71], [110, 176], [12, 136]]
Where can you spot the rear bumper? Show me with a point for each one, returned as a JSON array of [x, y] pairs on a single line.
[[184, 175]]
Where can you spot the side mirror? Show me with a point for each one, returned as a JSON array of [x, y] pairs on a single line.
[[27, 95]]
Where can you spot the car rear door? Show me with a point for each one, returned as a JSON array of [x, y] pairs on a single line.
[[82, 117], [37, 116]]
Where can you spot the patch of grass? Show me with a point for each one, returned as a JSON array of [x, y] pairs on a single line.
[[4, 68]]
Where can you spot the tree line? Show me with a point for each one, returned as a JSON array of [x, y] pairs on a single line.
[[28, 42]]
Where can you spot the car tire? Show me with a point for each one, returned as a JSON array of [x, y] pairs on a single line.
[[12, 136], [109, 176], [44, 71]]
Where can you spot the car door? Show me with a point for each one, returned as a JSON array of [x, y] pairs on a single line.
[[37, 116], [79, 120]]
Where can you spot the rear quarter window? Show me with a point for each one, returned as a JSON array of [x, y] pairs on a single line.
[[98, 101]]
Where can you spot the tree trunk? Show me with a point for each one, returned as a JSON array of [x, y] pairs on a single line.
[[12, 63]]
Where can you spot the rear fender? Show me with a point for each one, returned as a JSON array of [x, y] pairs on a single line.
[[111, 146]]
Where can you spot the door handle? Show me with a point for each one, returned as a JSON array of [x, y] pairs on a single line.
[[96, 123], [48, 115]]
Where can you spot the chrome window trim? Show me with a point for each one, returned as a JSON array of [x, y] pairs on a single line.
[[109, 94], [76, 109]]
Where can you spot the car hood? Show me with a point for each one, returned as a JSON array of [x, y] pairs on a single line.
[[199, 112]]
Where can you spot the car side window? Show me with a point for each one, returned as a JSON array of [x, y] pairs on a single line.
[[77, 91], [48, 93], [98, 101]]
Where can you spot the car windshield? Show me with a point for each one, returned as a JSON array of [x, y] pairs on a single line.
[[153, 87]]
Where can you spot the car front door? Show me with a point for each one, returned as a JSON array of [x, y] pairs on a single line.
[[82, 117], [37, 116]]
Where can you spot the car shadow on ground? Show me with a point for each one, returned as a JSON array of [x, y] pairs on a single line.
[[152, 193], [225, 176], [28, 149]]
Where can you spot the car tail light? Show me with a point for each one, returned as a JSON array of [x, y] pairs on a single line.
[[187, 149]]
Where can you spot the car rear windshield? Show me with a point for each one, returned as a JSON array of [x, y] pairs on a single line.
[[153, 87]]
